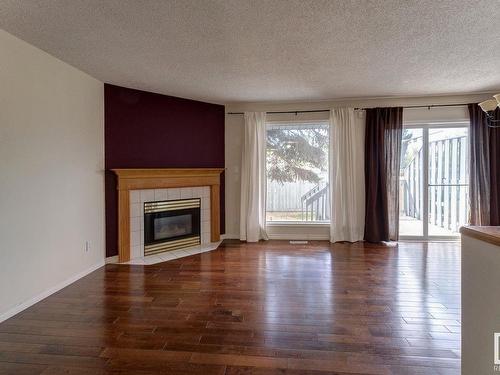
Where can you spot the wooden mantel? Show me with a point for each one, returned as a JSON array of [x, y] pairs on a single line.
[[137, 179]]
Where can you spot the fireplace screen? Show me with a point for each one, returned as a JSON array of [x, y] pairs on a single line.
[[170, 225]]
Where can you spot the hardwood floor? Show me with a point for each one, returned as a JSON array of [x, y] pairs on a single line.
[[268, 308]]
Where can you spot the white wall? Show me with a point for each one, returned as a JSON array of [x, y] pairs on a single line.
[[51, 174], [234, 138]]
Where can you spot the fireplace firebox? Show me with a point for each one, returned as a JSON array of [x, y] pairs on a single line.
[[171, 225]]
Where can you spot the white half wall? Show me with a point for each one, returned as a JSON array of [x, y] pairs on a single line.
[[234, 140], [480, 318], [51, 174]]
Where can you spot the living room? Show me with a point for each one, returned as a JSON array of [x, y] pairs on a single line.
[[249, 187]]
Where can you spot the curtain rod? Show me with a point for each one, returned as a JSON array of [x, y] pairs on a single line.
[[327, 110]]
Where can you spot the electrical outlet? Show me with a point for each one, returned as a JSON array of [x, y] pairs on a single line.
[[87, 246]]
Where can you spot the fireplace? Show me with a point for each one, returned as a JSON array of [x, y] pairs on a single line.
[[171, 225], [139, 186]]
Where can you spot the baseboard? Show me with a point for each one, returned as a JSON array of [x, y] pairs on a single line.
[[111, 259], [288, 236], [24, 305], [299, 236], [229, 236]]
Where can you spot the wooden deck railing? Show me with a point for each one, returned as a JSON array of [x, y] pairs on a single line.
[[447, 184]]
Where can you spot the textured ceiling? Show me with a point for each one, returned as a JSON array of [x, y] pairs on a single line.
[[276, 50]]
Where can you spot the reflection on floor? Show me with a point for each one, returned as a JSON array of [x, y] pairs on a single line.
[[266, 308]]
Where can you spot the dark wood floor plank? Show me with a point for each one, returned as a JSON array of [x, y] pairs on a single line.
[[266, 308], [8, 368]]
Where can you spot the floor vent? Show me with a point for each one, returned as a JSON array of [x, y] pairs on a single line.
[[299, 242]]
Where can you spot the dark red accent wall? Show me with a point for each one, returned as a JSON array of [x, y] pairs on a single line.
[[147, 130]]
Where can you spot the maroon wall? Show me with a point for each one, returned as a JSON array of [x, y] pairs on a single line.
[[146, 130]]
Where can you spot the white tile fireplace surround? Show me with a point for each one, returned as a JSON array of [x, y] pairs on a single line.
[[137, 199]]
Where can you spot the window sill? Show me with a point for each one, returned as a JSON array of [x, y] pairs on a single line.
[[297, 223]]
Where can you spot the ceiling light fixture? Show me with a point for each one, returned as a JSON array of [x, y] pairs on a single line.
[[489, 106]]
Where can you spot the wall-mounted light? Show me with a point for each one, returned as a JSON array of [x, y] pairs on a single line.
[[489, 106]]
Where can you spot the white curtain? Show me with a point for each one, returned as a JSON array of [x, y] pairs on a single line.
[[347, 174], [253, 179]]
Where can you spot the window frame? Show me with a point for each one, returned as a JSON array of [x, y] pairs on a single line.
[[295, 223]]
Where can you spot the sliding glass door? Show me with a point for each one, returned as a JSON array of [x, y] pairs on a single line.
[[434, 181]]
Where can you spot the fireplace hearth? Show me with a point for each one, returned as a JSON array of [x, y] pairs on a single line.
[[171, 225]]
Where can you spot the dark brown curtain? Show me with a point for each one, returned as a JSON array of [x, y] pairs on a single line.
[[384, 129], [484, 174]]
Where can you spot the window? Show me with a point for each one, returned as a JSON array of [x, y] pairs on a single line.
[[297, 172], [434, 180]]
